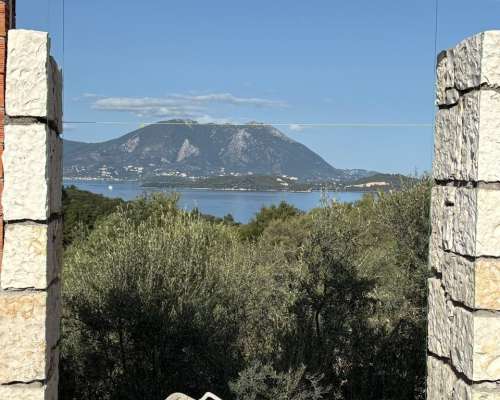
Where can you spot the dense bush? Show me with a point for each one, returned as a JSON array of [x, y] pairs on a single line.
[[324, 305], [158, 300], [82, 210]]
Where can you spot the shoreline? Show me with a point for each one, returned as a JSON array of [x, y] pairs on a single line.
[[206, 189]]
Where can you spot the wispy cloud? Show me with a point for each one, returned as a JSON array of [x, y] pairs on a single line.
[[91, 95], [179, 105], [296, 127], [227, 98], [148, 106]]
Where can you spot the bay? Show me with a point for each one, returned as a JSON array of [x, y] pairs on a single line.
[[242, 205]]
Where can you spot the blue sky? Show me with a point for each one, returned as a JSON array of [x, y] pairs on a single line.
[[286, 62]]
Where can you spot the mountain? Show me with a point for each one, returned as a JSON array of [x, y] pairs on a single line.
[[188, 148]]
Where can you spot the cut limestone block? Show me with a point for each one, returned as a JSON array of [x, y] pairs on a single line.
[[467, 141], [444, 384], [33, 81], [485, 391], [32, 255], [471, 282], [29, 332], [466, 221], [32, 168], [31, 391], [440, 316], [472, 63], [462, 340], [458, 278], [441, 380], [487, 284], [486, 362], [469, 339]]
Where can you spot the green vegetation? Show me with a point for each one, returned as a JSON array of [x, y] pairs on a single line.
[[245, 182], [378, 182], [279, 183], [324, 305], [82, 210]]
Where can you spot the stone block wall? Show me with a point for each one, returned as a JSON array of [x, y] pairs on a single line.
[[464, 292], [31, 263]]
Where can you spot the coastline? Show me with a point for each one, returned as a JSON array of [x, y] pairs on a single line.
[[208, 189]]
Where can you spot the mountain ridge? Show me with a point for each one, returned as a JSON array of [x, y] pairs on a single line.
[[189, 148]]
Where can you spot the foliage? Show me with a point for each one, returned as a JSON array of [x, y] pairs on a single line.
[[81, 211], [333, 334], [324, 305], [265, 216], [262, 382], [158, 300]]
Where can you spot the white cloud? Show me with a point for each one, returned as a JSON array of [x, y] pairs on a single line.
[[148, 106], [178, 105], [91, 95], [296, 127], [227, 98]]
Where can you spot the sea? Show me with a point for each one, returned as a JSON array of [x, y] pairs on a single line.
[[242, 205]]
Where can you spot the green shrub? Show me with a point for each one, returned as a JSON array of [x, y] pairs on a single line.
[[158, 300]]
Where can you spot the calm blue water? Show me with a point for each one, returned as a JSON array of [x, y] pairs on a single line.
[[242, 205]]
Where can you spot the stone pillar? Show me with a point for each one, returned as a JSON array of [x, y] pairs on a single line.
[[464, 292], [29, 280]]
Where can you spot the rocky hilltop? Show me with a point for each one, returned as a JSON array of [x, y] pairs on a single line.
[[187, 148]]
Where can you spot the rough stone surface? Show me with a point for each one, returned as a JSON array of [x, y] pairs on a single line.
[[435, 254], [474, 345], [486, 391], [454, 216], [488, 223], [472, 283], [27, 86], [490, 74], [489, 140], [487, 284], [457, 140], [32, 168], [486, 347], [458, 278], [468, 339], [32, 255], [462, 340], [33, 79], [472, 63], [442, 383], [439, 320], [467, 60], [29, 332], [466, 221], [30, 391]]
